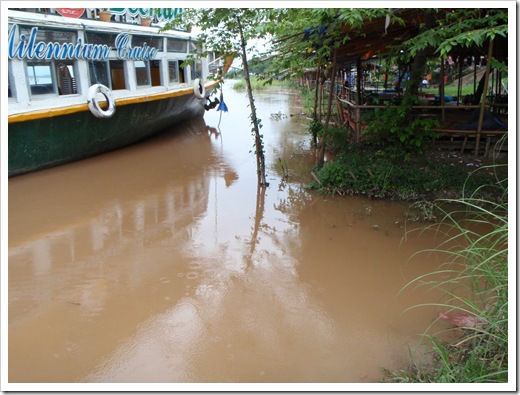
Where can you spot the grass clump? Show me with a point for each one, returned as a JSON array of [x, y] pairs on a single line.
[[474, 280], [361, 169]]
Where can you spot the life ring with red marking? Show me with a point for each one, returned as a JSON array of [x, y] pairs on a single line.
[[93, 104]]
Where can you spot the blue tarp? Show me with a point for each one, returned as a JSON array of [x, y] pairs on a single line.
[[490, 122]]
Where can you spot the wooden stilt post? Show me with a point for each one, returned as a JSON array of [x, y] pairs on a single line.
[[483, 101], [441, 91], [358, 124], [474, 78], [459, 85]]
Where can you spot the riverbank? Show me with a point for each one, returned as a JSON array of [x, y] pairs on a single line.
[[369, 169], [363, 170], [475, 348]]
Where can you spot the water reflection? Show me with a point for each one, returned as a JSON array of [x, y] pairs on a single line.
[[74, 245], [244, 318], [164, 262]]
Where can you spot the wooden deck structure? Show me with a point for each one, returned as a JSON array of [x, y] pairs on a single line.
[[351, 118], [376, 38]]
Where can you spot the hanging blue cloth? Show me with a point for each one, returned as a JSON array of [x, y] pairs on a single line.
[[222, 106]]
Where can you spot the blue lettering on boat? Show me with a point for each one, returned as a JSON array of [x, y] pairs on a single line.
[[29, 48]]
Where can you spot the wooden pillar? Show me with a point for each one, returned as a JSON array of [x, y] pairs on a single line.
[[441, 91], [459, 85], [499, 83], [474, 76], [358, 123], [484, 94], [358, 82]]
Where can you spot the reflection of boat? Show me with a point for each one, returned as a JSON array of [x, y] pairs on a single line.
[[64, 70], [102, 232], [124, 212]]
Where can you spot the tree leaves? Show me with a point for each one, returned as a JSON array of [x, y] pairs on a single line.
[[460, 27]]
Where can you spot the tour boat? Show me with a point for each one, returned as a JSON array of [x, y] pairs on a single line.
[[79, 86]]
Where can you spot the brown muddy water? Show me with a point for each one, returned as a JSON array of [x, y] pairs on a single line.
[[161, 263]]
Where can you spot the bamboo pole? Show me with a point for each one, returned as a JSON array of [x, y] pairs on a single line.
[[483, 102]]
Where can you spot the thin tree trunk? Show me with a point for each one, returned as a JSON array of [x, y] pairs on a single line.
[[320, 98], [321, 155], [316, 101], [480, 88], [259, 147], [359, 74], [315, 110], [331, 89], [259, 215]]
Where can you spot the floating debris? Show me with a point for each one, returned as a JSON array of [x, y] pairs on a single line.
[[464, 320], [278, 116]]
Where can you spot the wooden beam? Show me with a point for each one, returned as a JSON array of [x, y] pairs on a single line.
[[484, 94]]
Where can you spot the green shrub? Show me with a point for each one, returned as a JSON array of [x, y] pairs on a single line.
[[396, 127], [315, 129], [360, 169]]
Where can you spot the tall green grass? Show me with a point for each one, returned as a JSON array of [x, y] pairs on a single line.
[[259, 84], [474, 281]]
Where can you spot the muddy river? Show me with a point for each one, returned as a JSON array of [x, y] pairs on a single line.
[[162, 263]]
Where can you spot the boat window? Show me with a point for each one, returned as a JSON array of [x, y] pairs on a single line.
[[99, 73], [142, 72], [182, 75], [176, 45], [109, 73], [151, 41], [117, 74], [101, 38], [9, 78], [155, 72], [173, 72], [41, 80], [214, 62], [196, 69], [47, 35], [67, 84]]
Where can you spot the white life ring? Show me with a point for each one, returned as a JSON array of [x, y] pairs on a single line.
[[199, 89], [93, 104]]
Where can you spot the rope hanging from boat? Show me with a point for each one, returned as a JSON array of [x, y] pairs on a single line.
[[222, 107]]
